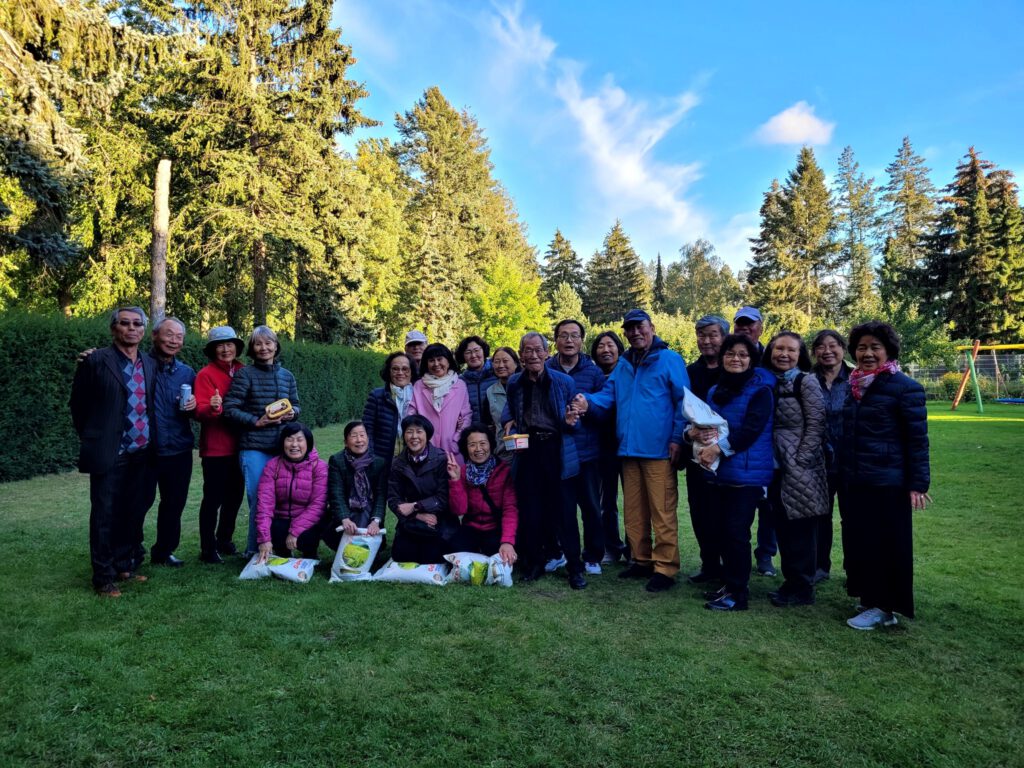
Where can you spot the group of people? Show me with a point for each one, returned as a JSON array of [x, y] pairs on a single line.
[[431, 447]]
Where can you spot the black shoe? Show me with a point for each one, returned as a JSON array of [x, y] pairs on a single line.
[[784, 599], [714, 594], [726, 603], [211, 558], [765, 568], [637, 571], [170, 561], [532, 573], [821, 575], [702, 577], [659, 582], [576, 581], [228, 548]]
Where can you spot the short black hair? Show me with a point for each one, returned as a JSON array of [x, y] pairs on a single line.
[[828, 333], [385, 372], [732, 340], [352, 425], [476, 426], [292, 428], [460, 351], [415, 420], [438, 350], [606, 335], [803, 361], [884, 332], [570, 321]]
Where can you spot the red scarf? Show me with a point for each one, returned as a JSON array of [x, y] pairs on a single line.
[[860, 380]]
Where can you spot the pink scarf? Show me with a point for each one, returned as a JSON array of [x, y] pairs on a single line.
[[861, 380]]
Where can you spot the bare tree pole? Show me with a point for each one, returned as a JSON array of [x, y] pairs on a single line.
[[158, 249]]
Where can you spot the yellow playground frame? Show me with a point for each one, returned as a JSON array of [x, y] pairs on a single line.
[[969, 371]]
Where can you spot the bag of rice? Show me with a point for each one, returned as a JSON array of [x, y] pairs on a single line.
[[257, 570], [413, 573], [469, 567], [499, 574], [297, 569], [355, 556]]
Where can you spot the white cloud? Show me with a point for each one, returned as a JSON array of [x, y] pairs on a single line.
[[523, 44], [796, 125], [733, 241]]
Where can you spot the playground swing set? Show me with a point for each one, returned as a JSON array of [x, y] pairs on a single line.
[[972, 374]]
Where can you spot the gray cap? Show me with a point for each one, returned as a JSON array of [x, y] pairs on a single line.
[[221, 333], [415, 337], [709, 320]]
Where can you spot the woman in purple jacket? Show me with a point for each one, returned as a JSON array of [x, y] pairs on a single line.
[[292, 497]]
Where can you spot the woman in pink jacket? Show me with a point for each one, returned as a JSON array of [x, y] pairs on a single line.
[[441, 397], [292, 497]]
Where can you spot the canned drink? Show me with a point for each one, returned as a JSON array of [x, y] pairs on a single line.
[[186, 393]]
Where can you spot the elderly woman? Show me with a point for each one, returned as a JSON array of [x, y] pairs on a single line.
[[356, 487], [292, 497], [798, 494], [418, 495], [481, 493], [833, 374], [253, 388], [385, 407], [223, 485], [504, 363], [744, 399], [605, 350], [441, 397], [473, 352], [885, 473]]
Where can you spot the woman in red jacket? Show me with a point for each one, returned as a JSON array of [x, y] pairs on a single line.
[[223, 485], [482, 494]]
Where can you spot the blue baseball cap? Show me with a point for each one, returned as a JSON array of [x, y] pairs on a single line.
[[635, 316], [748, 313]]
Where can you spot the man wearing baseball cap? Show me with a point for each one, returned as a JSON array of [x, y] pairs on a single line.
[[646, 393], [415, 343], [748, 322]]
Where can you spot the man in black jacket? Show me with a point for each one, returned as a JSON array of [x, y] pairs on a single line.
[[112, 410]]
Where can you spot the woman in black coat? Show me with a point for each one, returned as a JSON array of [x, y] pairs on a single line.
[[385, 407], [356, 487], [885, 475]]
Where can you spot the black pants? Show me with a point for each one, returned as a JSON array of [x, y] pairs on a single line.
[[704, 518], [610, 469], [545, 502], [118, 511], [307, 543], [736, 505], [173, 474], [586, 489], [825, 530], [411, 548], [798, 545], [223, 489], [473, 540]]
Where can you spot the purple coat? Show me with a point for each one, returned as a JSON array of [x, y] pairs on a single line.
[[455, 415], [296, 491]]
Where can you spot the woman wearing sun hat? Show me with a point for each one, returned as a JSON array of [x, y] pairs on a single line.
[[223, 485]]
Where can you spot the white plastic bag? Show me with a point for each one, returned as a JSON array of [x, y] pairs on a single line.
[[475, 569], [257, 570], [700, 414], [355, 556], [413, 573], [297, 569]]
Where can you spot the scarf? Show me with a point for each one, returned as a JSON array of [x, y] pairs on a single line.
[[861, 380], [731, 384], [359, 499], [418, 458], [479, 474], [789, 375], [439, 387], [402, 397]]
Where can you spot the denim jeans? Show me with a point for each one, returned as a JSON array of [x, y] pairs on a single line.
[[252, 463]]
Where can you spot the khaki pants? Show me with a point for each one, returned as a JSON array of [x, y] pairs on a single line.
[[650, 495]]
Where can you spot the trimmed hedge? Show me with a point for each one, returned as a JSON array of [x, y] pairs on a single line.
[[38, 356]]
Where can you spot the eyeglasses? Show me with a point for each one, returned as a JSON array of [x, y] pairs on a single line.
[[131, 323], [737, 355], [568, 337]]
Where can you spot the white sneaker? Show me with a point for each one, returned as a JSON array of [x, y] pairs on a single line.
[[871, 619], [554, 564], [592, 569]]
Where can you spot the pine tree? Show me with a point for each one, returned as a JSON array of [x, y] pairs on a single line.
[[1008, 242], [857, 221], [658, 294], [700, 283], [561, 265], [565, 303], [616, 281]]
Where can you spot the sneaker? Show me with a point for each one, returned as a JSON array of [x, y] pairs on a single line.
[[872, 618], [576, 581], [726, 603], [714, 594], [554, 564], [785, 599], [609, 558], [107, 590], [766, 569], [659, 582], [592, 569]]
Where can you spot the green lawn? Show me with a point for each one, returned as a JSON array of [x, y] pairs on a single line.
[[197, 668]]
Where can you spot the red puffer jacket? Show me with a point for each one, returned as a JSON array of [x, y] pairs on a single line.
[[468, 502], [295, 490], [218, 436]]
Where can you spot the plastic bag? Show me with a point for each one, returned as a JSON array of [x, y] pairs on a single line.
[[700, 414], [413, 573], [476, 569], [257, 570], [292, 568], [355, 556]]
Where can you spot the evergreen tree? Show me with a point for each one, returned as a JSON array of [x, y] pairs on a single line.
[[507, 306], [1008, 241], [561, 265], [616, 281], [658, 294], [700, 283], [565, 302], [857, 221]]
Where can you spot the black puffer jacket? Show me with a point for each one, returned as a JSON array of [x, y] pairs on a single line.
[[885, 436], [381, 419], [254, 388]]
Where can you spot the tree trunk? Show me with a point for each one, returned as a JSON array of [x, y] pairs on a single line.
[[158, 249], [259, 282]]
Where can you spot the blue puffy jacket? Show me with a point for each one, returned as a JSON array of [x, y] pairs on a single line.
[[381, 419], [885, 436], [588, 378], [756, 465], [561, 393], [647, 400], [173, 434], [477, 383]]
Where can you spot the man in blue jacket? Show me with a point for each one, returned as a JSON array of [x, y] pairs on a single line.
[[646, 390]]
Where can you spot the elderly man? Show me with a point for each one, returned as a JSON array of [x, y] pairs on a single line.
[[415, 343], [704, 373], [748, 322], [175, 439], [538, 405], [646, 391], [112, 410]]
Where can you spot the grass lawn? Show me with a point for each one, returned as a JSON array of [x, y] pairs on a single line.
[[196, 668]]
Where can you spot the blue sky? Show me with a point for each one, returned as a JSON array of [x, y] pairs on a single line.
[[675, 116]]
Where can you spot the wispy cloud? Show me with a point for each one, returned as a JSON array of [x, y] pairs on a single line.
[[796, 125]]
